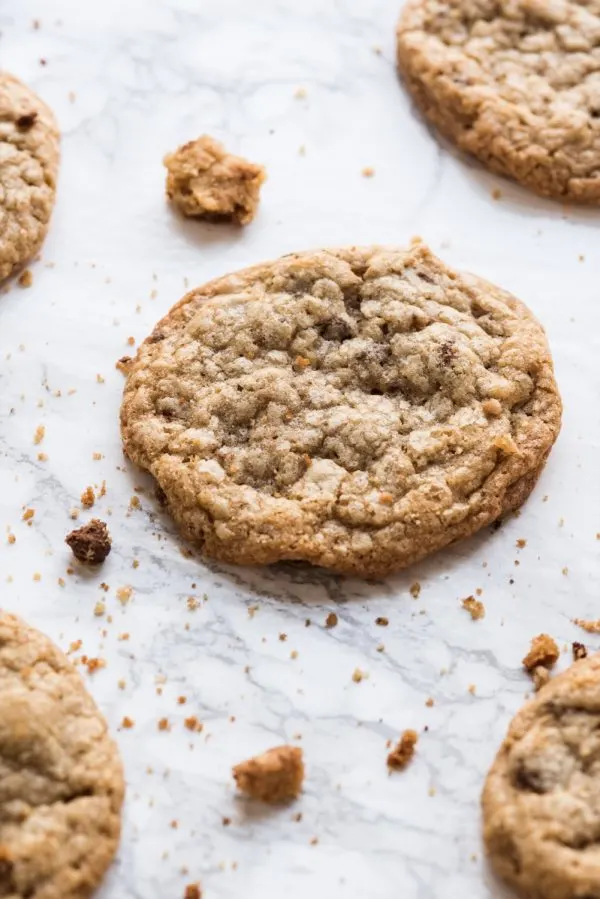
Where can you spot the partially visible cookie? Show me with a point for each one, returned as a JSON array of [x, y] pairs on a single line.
[[514, 83], [205, 181], [29, 156], [355, 408], [541, 800], [61, 781]]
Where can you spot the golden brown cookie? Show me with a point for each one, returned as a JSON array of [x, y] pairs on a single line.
[[61, 782], [514, 83], [29, 156], [541, 800], [355, 408]]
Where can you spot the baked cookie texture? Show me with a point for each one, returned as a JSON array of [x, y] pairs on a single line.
[[29, 157], [541, 800], [61, 782], [205, 181], [516, 83], [355, 408]]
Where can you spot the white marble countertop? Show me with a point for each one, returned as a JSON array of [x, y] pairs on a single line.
[[146, 75]]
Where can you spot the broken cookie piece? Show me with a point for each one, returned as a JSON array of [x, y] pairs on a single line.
[[204, 181], [543, 651], [274, 776], [403, 752], [91, 543]]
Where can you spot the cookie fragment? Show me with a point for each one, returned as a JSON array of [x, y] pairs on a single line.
[[403, 752], [205, 181], [90, 543], [540, 800], [513, 84], [372, 363], [29, 156], [274, 776], [543, 651]]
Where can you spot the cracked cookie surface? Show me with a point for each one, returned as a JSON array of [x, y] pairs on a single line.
[[61, 782], [353, 408], [541, 800], [516, 83], [29, 156]]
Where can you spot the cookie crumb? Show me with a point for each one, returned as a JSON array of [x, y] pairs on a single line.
[[381, 621], [88, 498], [430, 702], [90, 543], [192, 723], [358, 675], [403, 752], [543, 651], [331, 620], [496, 194], [192, 891], [99, 609], [579, 651], [521, 543], [127, 723], [474, 607], [124, 594], [39, 435], [274, 776], [368, 172], [415, 590], [205, 181], [28, 514], [25, 279], [592, 626], [123, 364], [163, 724]]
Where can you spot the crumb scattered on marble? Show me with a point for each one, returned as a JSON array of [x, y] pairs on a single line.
[[474, 607], [90, 543], [415, 589], [579, 651], [282, 638], [192, 891], [403, 752], [543, 651], [496, 194], [39, 434], [275, 776], [88, 498], [192, 723], [25, 279], [28, 514], [127, 723], [124, 594], [368, 171], [381, 621], [331, 620], [429, 702], [358, 675], [592, 626], [163, 724]]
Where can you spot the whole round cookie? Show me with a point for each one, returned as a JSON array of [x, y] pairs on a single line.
[[29, 156], [516, 83], [541, 800], [61, 782], [354, 408]]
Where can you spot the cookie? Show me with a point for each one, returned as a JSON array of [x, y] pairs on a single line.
[[541, 800], [514, 83], [353, 408], [61, 783], [205, 181], [29, 156], [275, 776]]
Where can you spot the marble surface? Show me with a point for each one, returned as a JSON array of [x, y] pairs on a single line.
[[130, 80]]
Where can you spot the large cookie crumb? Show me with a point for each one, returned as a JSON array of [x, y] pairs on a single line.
[[204, 181], [543, 651], [274, 776], [403, 752], [90, 543]]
